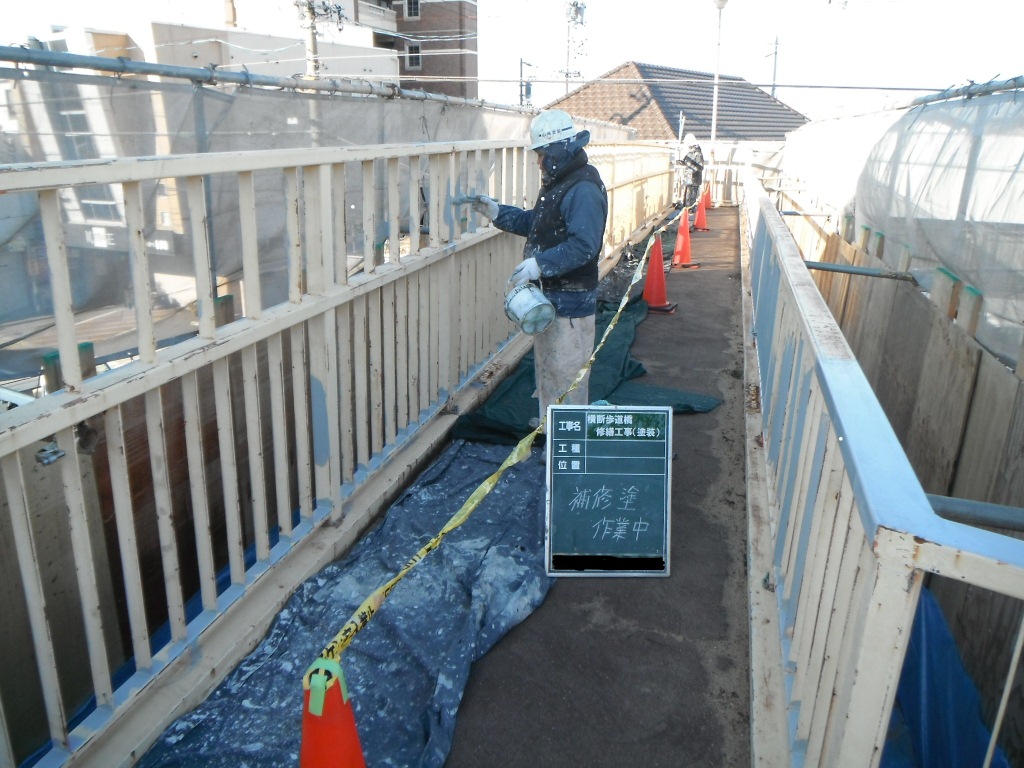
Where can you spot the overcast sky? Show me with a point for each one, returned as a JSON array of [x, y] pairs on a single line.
[[822, 44], [883, 43]]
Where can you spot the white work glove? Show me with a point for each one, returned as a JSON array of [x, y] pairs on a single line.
[[525, 271], [486, 206]]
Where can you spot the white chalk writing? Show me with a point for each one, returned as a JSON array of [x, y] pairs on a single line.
[[619, 528]]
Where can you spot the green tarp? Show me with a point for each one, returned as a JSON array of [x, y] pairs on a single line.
[[504, 417]]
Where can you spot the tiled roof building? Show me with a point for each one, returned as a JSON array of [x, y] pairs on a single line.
[[650, 99]]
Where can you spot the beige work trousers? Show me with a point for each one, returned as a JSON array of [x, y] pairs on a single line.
[[560, 352]]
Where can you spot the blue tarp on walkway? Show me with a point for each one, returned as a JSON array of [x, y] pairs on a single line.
[[408, 668]]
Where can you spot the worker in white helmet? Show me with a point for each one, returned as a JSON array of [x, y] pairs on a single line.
[[564, 234], [692, 171]]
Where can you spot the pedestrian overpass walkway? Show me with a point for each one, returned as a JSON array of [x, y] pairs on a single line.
[[236, 464], [647, 671]]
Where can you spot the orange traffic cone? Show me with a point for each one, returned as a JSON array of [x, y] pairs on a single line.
[[329, 735], [681, 253], [700, 222], [654, 287]]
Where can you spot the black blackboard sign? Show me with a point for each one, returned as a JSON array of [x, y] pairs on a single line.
[[609, 490]]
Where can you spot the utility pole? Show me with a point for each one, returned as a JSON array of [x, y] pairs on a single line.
[[311, 12], [525, 86], [312, 54], [574, 17], [775, 65]]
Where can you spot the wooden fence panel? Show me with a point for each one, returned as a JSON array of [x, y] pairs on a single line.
[[986, 431], [946, 384], [839, 287], [902, 356], [1010, 486], [867, 323]]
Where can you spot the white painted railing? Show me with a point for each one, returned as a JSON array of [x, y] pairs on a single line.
[[227, 467], [844, 534]]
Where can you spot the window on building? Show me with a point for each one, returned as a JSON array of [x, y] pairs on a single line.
[[412, 9], [98, 209], [413, 58]]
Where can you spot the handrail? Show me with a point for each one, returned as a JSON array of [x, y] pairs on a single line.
[[234, 463], [213, 75], [851, 532]]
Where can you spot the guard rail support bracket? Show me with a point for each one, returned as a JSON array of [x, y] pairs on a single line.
[[891, 274]]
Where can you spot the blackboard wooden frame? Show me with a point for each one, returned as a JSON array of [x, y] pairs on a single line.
[[609, 490]]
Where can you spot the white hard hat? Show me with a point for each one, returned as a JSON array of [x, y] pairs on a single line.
[[690, 140], [550, 126]]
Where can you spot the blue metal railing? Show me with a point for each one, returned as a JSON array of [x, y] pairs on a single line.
[[851, 530]]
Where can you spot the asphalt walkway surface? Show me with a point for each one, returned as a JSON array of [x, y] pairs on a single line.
[[646, 671]]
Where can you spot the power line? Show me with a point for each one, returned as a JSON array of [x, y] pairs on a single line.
[[725, 83]]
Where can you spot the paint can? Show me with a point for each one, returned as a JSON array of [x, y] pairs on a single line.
[[528, 307]]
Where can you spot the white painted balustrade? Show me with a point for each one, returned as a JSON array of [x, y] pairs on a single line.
[[232, 461]]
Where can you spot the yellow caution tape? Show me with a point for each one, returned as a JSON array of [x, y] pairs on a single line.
[[372, 604], [319, 683], [322, 673]]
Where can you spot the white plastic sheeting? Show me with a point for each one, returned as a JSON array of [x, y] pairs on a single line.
[[823, 160], [944, 183]]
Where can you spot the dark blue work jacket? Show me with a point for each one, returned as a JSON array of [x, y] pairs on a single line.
[[565, 231]]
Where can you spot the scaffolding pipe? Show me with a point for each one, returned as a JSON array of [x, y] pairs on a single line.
[[211, 75], [978, 512], [891, 274], [972, 90]]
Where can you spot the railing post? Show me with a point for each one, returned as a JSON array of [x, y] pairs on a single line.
[[393, 187], [252, 297], [340, 255], [415, 208], [60, 282], [85, 560], [139, 263], [878, 642], [369, 218], [293, 228], [205, 279], [35, 597], [436, 200]]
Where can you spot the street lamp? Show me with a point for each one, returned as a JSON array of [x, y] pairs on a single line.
[[719, 4]]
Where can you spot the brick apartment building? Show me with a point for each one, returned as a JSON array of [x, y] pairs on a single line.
[[437, 45]]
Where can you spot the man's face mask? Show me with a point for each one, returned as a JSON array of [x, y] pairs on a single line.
[[551, 157]]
